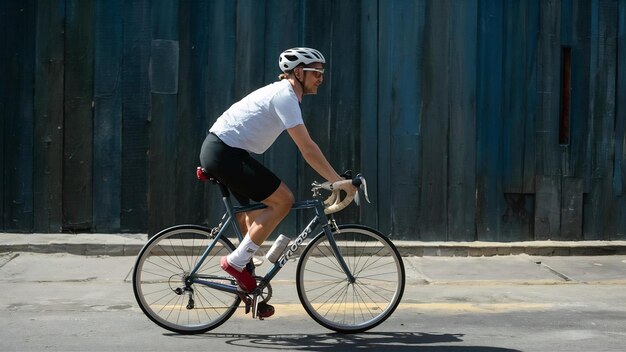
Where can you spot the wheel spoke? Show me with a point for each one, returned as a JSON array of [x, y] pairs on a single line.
[[162, 267]]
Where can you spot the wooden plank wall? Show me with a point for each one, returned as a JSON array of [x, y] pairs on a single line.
[[454, 110]]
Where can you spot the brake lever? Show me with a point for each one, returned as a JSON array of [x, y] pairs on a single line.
[[362, 186]]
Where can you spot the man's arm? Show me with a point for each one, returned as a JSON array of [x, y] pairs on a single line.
[[312, 153]]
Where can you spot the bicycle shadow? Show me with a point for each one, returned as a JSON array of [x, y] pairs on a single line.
[[389, 341]]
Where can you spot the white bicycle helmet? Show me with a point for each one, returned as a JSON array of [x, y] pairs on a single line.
[[291, 58]]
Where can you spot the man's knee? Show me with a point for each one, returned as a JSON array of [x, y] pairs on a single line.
[[282, 199], [287, 200]]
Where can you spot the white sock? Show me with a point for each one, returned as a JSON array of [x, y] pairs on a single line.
[[240, 257]]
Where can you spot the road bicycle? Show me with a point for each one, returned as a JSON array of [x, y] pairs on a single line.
[[349, 278]]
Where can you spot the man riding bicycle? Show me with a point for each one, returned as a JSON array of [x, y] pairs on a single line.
[[251, 126]]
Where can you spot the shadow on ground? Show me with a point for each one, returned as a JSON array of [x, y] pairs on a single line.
[[387, 341]]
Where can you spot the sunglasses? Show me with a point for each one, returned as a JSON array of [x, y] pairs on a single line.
[[319, 71]]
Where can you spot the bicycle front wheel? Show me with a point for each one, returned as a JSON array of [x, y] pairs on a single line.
[[161, 272], [350, 307]]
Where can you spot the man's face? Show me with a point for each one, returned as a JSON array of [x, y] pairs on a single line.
[[313, 77]]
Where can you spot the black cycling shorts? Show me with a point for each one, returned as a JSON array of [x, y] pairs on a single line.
[[238, 170]]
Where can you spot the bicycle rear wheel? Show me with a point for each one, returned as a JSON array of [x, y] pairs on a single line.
[[159, 277], [334, 302]]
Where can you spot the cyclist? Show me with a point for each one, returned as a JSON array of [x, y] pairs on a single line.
[[251, 126]]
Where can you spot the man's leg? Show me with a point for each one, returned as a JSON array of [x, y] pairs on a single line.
[[261, 224]]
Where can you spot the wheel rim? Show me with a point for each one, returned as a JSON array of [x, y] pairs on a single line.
[[340, 305]]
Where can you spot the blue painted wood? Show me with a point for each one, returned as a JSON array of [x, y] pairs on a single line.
[[519, 104], [571, 211], [189, 125], [399, 111], [575, 26], [78, 117], [17, 118], [548, 151], [250, 47], [489, 191], [567, 8], [579, 116], [369, 109], [518, 95], [221, 46], [434, 121], [548, 208], [462, 80], [4, 92], [619, 168], [343, 120], [282, 32], [316, 110], [602, 218], [48, 124], [162, 152], [136, 105], [532, 97], [107, 132]]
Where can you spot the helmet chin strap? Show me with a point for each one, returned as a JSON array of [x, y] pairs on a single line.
[[301, 82]]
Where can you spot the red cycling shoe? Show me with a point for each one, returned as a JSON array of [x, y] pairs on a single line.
[[245, 280]]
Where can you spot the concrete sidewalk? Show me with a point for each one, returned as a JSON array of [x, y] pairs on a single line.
[[130, 244]]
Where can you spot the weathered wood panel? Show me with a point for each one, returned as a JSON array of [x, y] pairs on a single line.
[[282, 31], [343, 123], [461, 209], [577, 165], [619, 167], [136, 110], [4, 95], [78, 117], [619, 176], [17, 166], [518, 94], [107, 118], [48, 125], [548, 151], [519, 97], [547, 207], [369, 109], [164, 78], [399, 110], [221, 43], [571, 222], [193, 31], [489, 190], [434, 120], [315, 108], [603, 63]]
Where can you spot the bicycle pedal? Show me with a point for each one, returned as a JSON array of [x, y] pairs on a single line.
[[264, 310]]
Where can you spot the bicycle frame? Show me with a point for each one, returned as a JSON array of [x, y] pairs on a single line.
[[231, 211]]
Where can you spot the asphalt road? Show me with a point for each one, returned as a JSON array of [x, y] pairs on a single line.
[[62, 302]]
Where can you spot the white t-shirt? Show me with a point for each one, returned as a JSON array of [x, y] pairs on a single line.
[[254, 122]]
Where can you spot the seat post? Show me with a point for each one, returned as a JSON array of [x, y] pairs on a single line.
[[223, 188]]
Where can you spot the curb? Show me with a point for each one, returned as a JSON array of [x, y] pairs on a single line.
[[532, 248], [131, 244]]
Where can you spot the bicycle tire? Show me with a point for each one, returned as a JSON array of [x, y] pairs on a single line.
[[161, 268], [335, 303]]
